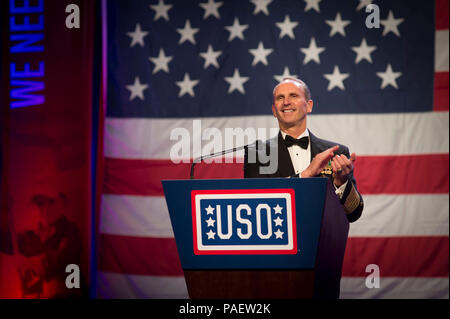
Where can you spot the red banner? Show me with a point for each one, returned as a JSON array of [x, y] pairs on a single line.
[[45, 224]]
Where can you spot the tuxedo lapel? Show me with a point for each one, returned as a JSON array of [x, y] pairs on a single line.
[[316, 145], [285, 167]]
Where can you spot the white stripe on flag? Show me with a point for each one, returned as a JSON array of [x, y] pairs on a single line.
[[137, 216], [441, 53], [384, 215], [367, 134], [403, 215], [396, 288], [113, 285]]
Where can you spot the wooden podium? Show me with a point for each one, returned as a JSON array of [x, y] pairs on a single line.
[[258, 238]]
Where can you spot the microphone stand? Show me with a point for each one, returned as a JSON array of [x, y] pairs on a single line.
[[221, 153]]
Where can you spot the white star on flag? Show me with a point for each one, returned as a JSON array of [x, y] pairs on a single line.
[[389, 77], [287, 27], [261, 6], [137, 89], [312, 53], [161, 10], [363, 51], [161, 62], [236, 30], [210, 234], [285, 74], [236, 82], [210, 222], [336, 79], [187, 33], [260, 54], [362, 4], [278, 221], [186, 86], [312, 4], [278, 209], [210, 57], [391, 24], [278, 234], [209, 210], [337, 25], [137, 37], [211, 8]]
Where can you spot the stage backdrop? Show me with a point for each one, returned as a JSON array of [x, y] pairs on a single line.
[[47, 92], [383, 91]]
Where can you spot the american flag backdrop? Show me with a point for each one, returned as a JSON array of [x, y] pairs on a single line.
[[382, 91]]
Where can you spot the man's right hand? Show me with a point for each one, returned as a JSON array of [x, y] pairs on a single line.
[[319, 162]]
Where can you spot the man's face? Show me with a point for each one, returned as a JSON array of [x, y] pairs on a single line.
[[290, 105]]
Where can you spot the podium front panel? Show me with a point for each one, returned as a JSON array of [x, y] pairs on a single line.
[[246, 223]]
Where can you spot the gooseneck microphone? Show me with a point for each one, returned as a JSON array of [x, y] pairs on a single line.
[[221, 153]]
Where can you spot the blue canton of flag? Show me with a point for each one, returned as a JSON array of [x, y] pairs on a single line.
[[223, 58]]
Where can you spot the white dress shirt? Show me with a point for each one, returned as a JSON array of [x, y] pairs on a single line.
[[301, 158]]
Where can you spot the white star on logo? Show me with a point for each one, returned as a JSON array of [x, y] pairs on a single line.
[[137, 89], [210, 234], [278, 209], [279, 234], [187, 33], [391, 24], [312, 4], [260, 54], [209, 210], [236, 82], [162, 10], [211, 8], [137, 36], [312, 53], [261, 5], [210, 222], [389, 77], [285, 74], [337, 25], [236, 30], [161, 62], [287, 27], [186, 86], [278, 221], [362, 4], [336, 79], [210, 57], [364, 51]]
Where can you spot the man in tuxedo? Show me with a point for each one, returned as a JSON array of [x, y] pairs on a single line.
[[300, 153]]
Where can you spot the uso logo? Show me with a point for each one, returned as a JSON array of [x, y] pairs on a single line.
[[256, 221]]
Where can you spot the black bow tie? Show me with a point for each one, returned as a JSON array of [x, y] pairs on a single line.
[[302, 142]]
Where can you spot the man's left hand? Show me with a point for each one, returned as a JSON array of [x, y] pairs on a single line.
[[342, 167]]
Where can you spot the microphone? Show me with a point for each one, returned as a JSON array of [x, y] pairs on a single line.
[[221, 153]]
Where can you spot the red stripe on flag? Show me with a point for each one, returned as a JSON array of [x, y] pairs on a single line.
[[441, 91], [397, 256], [139, 255], [412, 174], [143, 177], [403, 174], [442, 14]]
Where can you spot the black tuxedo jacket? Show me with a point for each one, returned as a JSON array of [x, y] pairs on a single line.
[[351, 200]]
